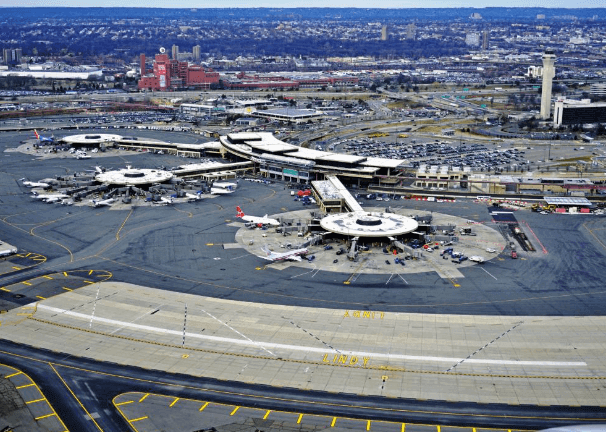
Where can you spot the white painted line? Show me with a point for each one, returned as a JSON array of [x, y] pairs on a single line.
[[266, 345], [235, 331], [489, 274], [389, 279], [405, 281]]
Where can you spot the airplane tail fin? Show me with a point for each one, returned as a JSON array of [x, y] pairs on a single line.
[[36, 133], [239, 212]]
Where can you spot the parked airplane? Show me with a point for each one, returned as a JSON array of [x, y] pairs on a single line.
[[291, 255], [223, 188], [196, 196], [256, 219], [106, 202], [49, 198], [166, 201], [34, 184], [43, 139]]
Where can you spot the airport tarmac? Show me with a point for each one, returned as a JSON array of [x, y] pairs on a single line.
[[525, 331]]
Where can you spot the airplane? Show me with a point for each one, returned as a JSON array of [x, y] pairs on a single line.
[[291, 255], [43, 139], [196, 196], [106, 202], [50, 198], [256, 219], [223, 188], [30, 184], [166, 201]]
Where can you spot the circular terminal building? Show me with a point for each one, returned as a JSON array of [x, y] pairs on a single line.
[[369, 224], [134, 177], [91, 139]]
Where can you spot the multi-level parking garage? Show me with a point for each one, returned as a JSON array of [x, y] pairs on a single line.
[[510, 344]]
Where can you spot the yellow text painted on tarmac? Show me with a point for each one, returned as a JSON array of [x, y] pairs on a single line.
[[338, 359], [364, 314]]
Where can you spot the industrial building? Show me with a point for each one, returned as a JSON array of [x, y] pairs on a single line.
[[171, 74]]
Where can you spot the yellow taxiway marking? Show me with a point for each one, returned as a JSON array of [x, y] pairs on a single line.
[[37, 400], [235, 410], [144, 397], [266, 415], [138, 419], [300, 418], [124, 403], [4, 289], [174, 402], [45, 416], [203, 406]]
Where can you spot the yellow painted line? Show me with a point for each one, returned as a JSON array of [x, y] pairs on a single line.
[[144, 397], [41, 298], [368, 425], [25, 386], [137, 419], [90, 272], [88, 282], [266, 415], [67, 289], [65, 274], [403, 427], [37, 400], [124, 403], [28, 254], [438, 426], [39, 259], [75, 398], [26, 283], [17, 268], [203, 406], [174, 402], [235, 410], [25, 314], [47, 277], [334, 420], [4, 289], [210, 244], [12, 375], [300, 418], [473, 430], [45, 416]]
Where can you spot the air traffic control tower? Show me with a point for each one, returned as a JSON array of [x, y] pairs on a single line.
[[548, 74]]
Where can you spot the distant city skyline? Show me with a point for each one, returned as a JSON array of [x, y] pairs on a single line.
[[362, 4]]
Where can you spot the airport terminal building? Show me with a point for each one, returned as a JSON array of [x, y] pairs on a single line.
[[280, 160]]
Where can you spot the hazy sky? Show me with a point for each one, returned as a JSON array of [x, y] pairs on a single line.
[[314, 3]]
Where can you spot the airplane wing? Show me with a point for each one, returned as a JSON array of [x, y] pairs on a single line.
[[294, 258]]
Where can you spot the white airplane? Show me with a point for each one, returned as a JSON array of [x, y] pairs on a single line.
[[223, 188], [49, 198], [196, 196], [291, 255], [31, 184], [256, 219], [166, 201], [106, 202]]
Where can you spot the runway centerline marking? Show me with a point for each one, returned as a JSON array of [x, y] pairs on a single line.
[[272, 345]]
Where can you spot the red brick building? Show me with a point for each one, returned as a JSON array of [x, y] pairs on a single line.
[[169, 74]]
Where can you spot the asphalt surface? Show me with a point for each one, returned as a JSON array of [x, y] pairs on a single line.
[[180, 248]]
